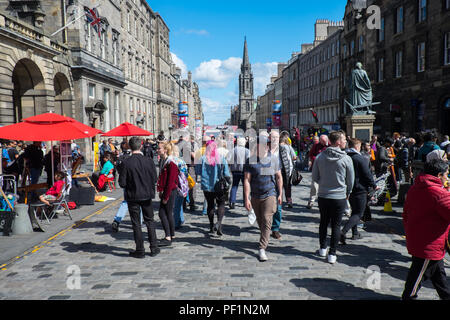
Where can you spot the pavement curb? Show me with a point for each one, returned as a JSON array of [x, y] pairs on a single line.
[[42, 244]]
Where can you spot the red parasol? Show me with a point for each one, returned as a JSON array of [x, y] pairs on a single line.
[[47, 127], [127, 130]]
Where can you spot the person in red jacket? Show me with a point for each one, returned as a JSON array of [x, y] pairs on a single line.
[[53, 193], [167, 188], [426, 219]]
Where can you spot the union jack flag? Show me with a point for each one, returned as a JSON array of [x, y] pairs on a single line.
[[94, 19]]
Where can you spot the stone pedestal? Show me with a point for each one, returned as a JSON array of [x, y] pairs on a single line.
[[360, 126]]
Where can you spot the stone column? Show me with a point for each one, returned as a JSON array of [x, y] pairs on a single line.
[[360, 126]]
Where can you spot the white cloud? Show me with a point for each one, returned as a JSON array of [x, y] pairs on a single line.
[[216, 112], [217, 73], [219, 85], [180, 64], [196, 32], [262, 72], [210, 105]]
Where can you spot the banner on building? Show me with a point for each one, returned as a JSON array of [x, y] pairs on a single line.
[[183, 114], [276, 113]]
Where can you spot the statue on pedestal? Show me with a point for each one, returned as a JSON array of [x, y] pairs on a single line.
[[360, 95]]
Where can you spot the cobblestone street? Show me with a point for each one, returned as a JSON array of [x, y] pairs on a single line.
[[198, 266]]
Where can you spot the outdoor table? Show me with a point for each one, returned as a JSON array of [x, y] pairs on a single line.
[[84, 175], [32, 187]]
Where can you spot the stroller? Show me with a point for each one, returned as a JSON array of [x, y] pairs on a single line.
[[7, 202]]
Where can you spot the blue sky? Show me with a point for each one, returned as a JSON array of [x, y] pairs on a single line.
[[207, 38]]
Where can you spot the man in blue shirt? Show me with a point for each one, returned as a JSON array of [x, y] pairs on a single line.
[[261, 180]]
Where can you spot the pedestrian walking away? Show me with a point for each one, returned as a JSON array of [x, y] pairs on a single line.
[[333, 172], [213, 170], [426, 220], [138, 177], [178, 209], [362, 183], [237, 159], [261, 182], [287, 158]]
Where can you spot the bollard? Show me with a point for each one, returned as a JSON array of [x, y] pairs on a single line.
[[387, 202], [22, 223]]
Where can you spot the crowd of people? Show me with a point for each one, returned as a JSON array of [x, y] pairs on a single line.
[[344, 172]]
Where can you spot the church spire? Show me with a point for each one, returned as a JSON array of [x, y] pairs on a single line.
[[245, 60]]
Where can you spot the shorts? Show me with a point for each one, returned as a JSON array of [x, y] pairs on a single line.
[[49, 197]]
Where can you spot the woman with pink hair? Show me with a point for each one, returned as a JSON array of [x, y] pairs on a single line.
[[212, 168]]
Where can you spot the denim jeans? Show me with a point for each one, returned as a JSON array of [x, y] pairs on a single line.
[[178, 215], [35, 174], [277, 218], [205, 208], [237, 178], [123, 209]]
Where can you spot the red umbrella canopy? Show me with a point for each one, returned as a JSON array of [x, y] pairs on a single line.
[[127, 130], [91, 131], [47, 127]]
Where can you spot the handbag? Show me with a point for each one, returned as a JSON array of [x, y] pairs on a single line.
[[191, 182], [222, 185], [296, 177]]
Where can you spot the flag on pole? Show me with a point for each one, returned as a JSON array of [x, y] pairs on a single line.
[[94, 19], [314, 114]]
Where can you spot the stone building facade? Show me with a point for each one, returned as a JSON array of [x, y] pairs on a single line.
[[35, 73], [290, 92], [123, 74], [319, 80], [96, 69], [138, 62], [408, 62]]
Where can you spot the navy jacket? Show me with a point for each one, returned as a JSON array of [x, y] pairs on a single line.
[[363, 176]]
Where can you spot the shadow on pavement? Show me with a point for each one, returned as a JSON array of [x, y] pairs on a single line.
[[339, 290], [299, 219], [91, 247], [364, 256]]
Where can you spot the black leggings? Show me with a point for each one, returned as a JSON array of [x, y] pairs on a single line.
[[166, 215], [331, 210], [220, 199], [358, 204]]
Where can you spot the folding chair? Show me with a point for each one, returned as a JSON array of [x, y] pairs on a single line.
[[61, 203], [56, 206], [110, 179]]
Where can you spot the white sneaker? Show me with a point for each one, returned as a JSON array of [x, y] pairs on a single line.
[[262, 255], [332, 258], [323, 252]]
